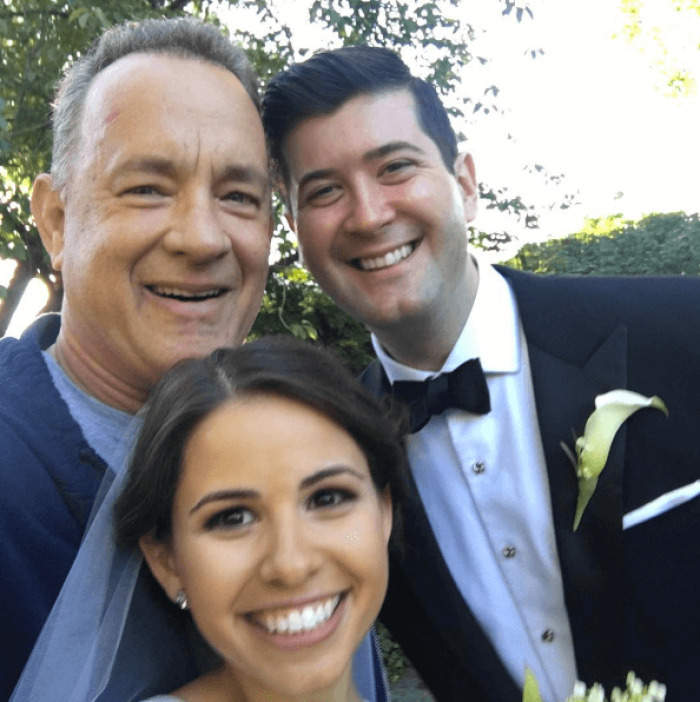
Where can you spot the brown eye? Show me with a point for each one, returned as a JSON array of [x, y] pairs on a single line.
[[331, 497], [233, 518], [323, 194]]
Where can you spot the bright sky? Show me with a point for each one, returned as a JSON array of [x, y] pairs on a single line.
[[589, 108]]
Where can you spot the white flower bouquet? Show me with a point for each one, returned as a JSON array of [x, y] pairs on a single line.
[[636, 691]]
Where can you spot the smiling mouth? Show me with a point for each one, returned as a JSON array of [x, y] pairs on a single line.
[[297, 621], [389, 259], [185, 295]]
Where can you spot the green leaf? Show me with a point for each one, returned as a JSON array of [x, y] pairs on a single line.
[[102, 17]]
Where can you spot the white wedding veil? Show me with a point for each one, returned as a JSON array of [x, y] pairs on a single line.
[[113, 636]]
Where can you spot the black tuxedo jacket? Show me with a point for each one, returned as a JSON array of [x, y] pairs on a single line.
[[633, 597]]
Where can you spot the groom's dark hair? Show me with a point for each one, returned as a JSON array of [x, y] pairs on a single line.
[[326, 81]]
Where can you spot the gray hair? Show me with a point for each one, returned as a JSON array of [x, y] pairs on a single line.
[[181, 37]]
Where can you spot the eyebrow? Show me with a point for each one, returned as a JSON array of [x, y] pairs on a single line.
[[245, 174], [390, 148], [246, 494], [368, 156], [147, 164], [225, 495], [166, 167], [321, 475]]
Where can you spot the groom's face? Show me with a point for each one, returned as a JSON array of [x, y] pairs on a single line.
[[381, 221]]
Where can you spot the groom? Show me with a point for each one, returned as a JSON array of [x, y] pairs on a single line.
[[493, 578]]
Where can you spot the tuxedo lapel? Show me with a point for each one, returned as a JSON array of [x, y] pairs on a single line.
[[591, 558]]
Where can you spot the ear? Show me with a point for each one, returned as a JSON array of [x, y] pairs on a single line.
[[48, 209], [465, 172], [160, 560], [387, 513]]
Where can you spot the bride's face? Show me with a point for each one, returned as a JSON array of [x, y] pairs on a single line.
[[280, 542]]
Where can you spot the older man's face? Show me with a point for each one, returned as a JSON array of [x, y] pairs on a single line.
[[166, 238]]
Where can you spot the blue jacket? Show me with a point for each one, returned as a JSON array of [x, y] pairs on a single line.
[[49, 477]]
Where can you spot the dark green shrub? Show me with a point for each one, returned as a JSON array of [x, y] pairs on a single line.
[[658, 244]]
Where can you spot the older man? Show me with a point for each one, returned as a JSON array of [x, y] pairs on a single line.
[[157, 215], [500, 369]]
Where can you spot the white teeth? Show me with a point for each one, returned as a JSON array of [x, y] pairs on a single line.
[[178, 292], [389, 259], [295, 622], [307, 619]]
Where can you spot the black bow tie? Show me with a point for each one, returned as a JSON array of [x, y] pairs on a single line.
[[463, 388]]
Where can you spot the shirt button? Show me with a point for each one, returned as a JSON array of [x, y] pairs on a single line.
[[548, 635], [509, 551], [479, 467]]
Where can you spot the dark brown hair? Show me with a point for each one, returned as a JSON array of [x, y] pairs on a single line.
[[281, 366]]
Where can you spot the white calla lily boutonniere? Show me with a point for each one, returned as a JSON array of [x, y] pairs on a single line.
[[592, 449]]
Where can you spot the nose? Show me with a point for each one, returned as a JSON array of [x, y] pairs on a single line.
[[197, 231], [370, 209], [291, 555]]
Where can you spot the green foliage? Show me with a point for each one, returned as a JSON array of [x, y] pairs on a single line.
[[38, 37], [394, 659], [294, 304], [653, 28], [658, 244]]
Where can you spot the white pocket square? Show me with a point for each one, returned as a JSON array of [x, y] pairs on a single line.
[[661, 504]]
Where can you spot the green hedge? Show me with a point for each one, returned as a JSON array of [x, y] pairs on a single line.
[[658, 244]]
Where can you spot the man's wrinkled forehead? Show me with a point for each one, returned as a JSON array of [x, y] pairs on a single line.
[[144, 88]]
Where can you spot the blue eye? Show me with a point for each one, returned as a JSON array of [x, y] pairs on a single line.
[[233, 518]]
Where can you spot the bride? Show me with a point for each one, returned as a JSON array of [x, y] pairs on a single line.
[[263, 490]]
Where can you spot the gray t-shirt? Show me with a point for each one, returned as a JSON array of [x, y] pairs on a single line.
[[109, 431]]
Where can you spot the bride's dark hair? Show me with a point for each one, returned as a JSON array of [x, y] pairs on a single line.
[[277, 366]]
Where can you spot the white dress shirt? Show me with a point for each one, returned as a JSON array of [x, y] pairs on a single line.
[[483, 482]]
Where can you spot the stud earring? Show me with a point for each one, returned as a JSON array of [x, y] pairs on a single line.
[[181, 600]]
